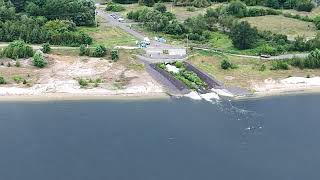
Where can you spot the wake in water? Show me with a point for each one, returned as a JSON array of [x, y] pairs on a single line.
[[252, 123]]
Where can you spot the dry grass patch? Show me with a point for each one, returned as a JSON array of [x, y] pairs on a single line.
[[283, 25], [248, 71]]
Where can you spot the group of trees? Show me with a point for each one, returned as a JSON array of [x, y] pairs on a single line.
[[158, 19], [300, 5], [38, 29], [82, 12]]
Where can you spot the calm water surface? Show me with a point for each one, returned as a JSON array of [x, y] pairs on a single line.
[[267, 139]]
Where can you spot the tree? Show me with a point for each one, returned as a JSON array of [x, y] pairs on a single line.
[[243, 35], [148, 3], [160, 7], [237, 8]]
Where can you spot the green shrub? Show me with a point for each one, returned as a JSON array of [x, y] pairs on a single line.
[[191, 9], [98, 51], [2, 80], [39, 61], [18, 79], [115, 7], [114, 55], [262, 67], [179, 64], [279, 65], [46, 48], [225, 64], [18, 49], [83, 82], [17, 63], [83, 50], [160, 7]]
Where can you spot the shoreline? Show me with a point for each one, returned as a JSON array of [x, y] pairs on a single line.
[[82, 97], [279, 93]]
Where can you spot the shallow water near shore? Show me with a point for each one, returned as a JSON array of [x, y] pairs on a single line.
[[259, 139]]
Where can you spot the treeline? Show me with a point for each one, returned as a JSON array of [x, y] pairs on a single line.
[[38, 29], [82, 12], [299, 5]]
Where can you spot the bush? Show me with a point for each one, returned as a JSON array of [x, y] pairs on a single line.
[[83, 50], [191, 9], [179, 64], [98, 51], [114, 55], [279, 65], [160, 7], [226, 65], [262, 67], [18, 49], [2, 80], [304, 5], [46, 48], [17, 63], [82, 82], [17, 79], [39, 61], [115, 7], [313, 60]]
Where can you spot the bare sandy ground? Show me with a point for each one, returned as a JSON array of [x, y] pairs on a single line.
[[60, 79], [292, 85]]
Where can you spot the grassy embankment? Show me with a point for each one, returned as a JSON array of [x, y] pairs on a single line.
[[248, 70]]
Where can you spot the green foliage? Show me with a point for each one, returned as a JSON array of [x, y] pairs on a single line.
[[160, 7], [82, 12], [18, 64], [114, 55], [191, 9], [237, 8], [279, 65], [148, 3], [263, 67], [225, 64], [313, 60], [38, 60], [97, 51], [115, 7], [179, 64], [18, 49], [2, 80], [46, 48], [83, 50], [243, 35], [83, 82], [195, 3], [18, 79]]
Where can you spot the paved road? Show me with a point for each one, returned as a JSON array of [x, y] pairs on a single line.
[[280, 57], [152, 54]]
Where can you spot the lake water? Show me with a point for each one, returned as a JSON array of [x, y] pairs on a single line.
[[268, 139]]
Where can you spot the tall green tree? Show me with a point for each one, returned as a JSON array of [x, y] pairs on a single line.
[[243, 35]]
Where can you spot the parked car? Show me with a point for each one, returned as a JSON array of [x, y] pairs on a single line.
[[265, 55]]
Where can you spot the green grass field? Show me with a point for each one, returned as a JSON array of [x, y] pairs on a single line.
[[109, 36]]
